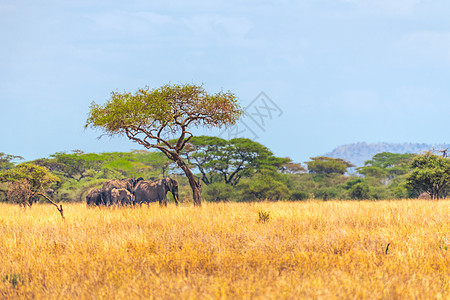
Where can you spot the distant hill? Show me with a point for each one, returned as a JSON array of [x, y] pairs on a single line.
[[358, 153]]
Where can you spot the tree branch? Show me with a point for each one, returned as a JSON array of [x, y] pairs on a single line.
[[60, 208]]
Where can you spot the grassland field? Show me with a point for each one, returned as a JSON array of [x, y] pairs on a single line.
[[264, 250]]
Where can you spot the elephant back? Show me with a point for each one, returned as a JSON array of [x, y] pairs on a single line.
[[148, 191], [115, 183]]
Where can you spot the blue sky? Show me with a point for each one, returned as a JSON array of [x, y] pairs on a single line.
[[341, 71]]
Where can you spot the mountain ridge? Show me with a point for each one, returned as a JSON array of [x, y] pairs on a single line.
[[358, 153]]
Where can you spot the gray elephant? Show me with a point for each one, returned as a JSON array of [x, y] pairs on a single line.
[[94, 197], [121, 197], [107, 187], [152, 191]]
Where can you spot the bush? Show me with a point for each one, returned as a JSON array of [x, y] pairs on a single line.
[[218, 191], [327, 193], [299, 195], [359, 191], [263, 187]]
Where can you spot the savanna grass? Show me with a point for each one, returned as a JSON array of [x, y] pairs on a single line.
[[313, 250]]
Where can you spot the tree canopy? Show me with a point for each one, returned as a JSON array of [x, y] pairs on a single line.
[[7, 160], [430, 174], [327, 165]]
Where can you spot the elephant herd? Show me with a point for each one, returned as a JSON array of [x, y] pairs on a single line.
[[132, 191]]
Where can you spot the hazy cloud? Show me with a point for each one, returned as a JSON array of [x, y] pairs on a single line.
[[426, 46], [388, 7]]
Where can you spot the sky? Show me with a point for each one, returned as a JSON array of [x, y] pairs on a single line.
[[312, 74]]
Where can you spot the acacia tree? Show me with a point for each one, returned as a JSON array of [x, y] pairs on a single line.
[[7, 161], [327, 165], [203, 152], [431, 174], [152, 117], [75, 166], [229, 160]]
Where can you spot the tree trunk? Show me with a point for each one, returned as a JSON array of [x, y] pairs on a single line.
[[195, 185]]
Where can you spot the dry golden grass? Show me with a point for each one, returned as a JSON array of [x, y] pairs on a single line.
[[313, 250]]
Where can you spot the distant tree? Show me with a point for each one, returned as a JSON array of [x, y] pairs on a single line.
[[7, 161], [387, 166], [292, 168], [203, 153], [219, 191], [230, 160], [27, 182], [75, 165], [359, 191], [243, 157], [153, 161], [263, 186], [327, 165], [153, 117], [431, 174]]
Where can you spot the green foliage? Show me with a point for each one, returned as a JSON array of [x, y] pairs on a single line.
[[219, 191], [329, 192], [263, 187], [164, 107], [229, 161], [359, 191], [39, 177], [14, 279], [385, 166], [290, 167], [431, 174], [244, 170], [26, 181], [203, 153], [74, 166], [327, 165], [263, 216], [7, 161], [299, 195]]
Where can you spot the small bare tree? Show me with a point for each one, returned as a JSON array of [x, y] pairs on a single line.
[[27, 182]]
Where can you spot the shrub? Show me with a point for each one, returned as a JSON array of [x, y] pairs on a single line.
[[359, 191], [299, 195], [263, 216], [263, 187], [14, 279], [218, 191]]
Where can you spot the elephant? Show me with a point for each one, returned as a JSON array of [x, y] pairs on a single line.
[[107, 187], [94, 197], [152, 191], [121, 197]]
